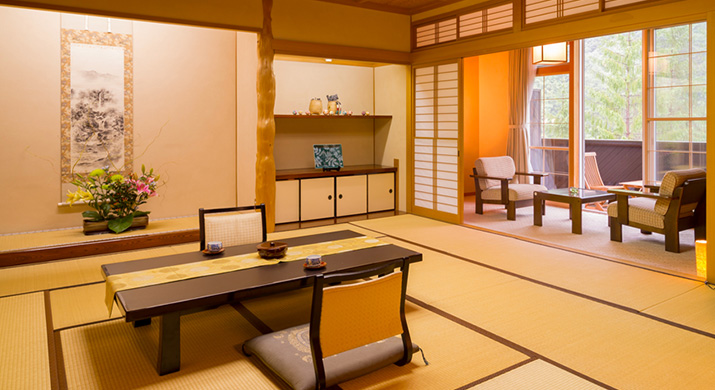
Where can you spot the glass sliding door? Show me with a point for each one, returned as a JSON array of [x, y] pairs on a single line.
[[613, 105], [677, 80], [549, 138]]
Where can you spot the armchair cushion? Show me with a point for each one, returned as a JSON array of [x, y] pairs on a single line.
[[502, 166], [671, 181], [287, 353], [516, 191], [640, 210]]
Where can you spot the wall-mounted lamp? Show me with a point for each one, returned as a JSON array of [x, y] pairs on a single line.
[[701, 258], [554, 53]]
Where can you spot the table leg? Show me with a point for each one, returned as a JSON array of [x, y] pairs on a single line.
[[575, 211], [538, 210], [169, 344], [144, 322]]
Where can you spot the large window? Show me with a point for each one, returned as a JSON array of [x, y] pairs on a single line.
[[549, 136], [677, 78]]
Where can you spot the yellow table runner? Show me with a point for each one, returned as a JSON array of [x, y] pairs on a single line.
[[149, 277]]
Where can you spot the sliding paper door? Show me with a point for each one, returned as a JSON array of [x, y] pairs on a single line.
[[437, 188]]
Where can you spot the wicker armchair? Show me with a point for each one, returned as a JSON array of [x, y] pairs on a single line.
[[679, 205], [492, 176]]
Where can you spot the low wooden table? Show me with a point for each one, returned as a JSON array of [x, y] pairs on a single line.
[[170, 300], [575, 202]]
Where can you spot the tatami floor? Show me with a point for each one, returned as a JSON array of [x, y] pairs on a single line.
[[490, 312]]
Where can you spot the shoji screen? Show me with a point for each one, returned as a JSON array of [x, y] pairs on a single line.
[[436, 143]]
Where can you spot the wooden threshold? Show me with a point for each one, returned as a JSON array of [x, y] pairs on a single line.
[[79, 249]]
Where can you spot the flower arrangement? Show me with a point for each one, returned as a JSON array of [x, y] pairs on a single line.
[[113, 197]]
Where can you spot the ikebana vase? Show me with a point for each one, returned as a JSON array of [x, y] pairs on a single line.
[[100, 227]]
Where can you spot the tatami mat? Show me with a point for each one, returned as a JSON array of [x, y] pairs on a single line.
[[537, 375], [64, 236], [80, 305], [64, 273], [614, 282], [115, 355], [695, 308], [24, 357]]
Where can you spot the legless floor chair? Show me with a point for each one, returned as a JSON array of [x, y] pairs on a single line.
[[354, 329], [679, 205], [233, 225]]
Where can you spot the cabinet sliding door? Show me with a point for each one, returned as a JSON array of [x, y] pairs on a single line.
[[437, 131]]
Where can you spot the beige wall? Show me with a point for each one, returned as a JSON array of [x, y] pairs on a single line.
[[184, 80], [391, 98], [246, 65]]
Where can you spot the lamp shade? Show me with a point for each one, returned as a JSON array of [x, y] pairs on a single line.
[[701, 258], [554, 53]]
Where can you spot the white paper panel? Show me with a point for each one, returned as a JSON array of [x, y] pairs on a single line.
[[447, 159], [424, 133], [425, 204], [447, 209], [447, 184], [447, 84], [446, 175], [449, 134], [447, 192], [424, 180], [447, 142], [424, 71], [424, 142], [447, 167], [424, 172], [429, 189], [447, 200], [447, 151], [423, 157], [423, 196], [424, 149]]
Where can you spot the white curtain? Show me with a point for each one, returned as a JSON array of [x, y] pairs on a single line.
[[521, 83]]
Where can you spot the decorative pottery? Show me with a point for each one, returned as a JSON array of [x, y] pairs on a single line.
[[272, 249], [332, 107], [100, 227], [316, 106]]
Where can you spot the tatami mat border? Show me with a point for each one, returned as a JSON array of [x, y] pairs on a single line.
[[51, 346], [498, 373]]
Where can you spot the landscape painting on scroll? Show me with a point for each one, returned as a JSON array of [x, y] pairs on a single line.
[[96, 102]]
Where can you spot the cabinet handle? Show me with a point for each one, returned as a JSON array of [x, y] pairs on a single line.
[[330, 197], [390, 190], [340, 196]]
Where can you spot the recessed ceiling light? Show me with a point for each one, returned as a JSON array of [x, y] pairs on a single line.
[[328, 60]]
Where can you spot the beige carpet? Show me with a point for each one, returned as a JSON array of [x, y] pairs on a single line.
[[637, 248], [24, 358], [537, 375]]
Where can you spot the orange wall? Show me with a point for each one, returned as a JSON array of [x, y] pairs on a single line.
[[494, 104], [471, 119], [486, 110]]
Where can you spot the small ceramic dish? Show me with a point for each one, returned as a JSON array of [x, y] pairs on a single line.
[[208, 252], [321, 265]]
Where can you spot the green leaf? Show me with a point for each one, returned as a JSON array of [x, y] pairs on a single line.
[[119, 225], [139, 213], [92, 216]]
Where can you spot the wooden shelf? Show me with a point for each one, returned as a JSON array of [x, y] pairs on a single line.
[[305, 173], [291, 116]]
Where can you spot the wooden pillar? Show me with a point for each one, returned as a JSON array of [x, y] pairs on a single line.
[[266, 129]]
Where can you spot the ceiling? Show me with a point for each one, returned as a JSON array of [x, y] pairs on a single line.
[[407, 7]]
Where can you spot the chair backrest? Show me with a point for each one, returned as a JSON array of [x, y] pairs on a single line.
[[502, 166], [349, 316], [671, 181], [233, 225], [591, 174]]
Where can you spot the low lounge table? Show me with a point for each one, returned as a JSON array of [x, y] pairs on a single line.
[[575, 202], [170, 300]]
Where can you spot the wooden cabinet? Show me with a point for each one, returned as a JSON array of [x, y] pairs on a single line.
[[287, 201], [351, 193], [310, 194], [317, 198], [380, 192]]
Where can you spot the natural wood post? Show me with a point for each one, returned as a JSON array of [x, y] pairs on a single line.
[[266, 129]]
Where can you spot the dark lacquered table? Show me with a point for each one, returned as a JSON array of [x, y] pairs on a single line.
[[170, 300], [575, 202]]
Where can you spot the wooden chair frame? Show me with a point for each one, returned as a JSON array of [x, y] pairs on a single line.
[[203, 212], [691, 191], [511, 206], [322, 281], [594, 181]]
